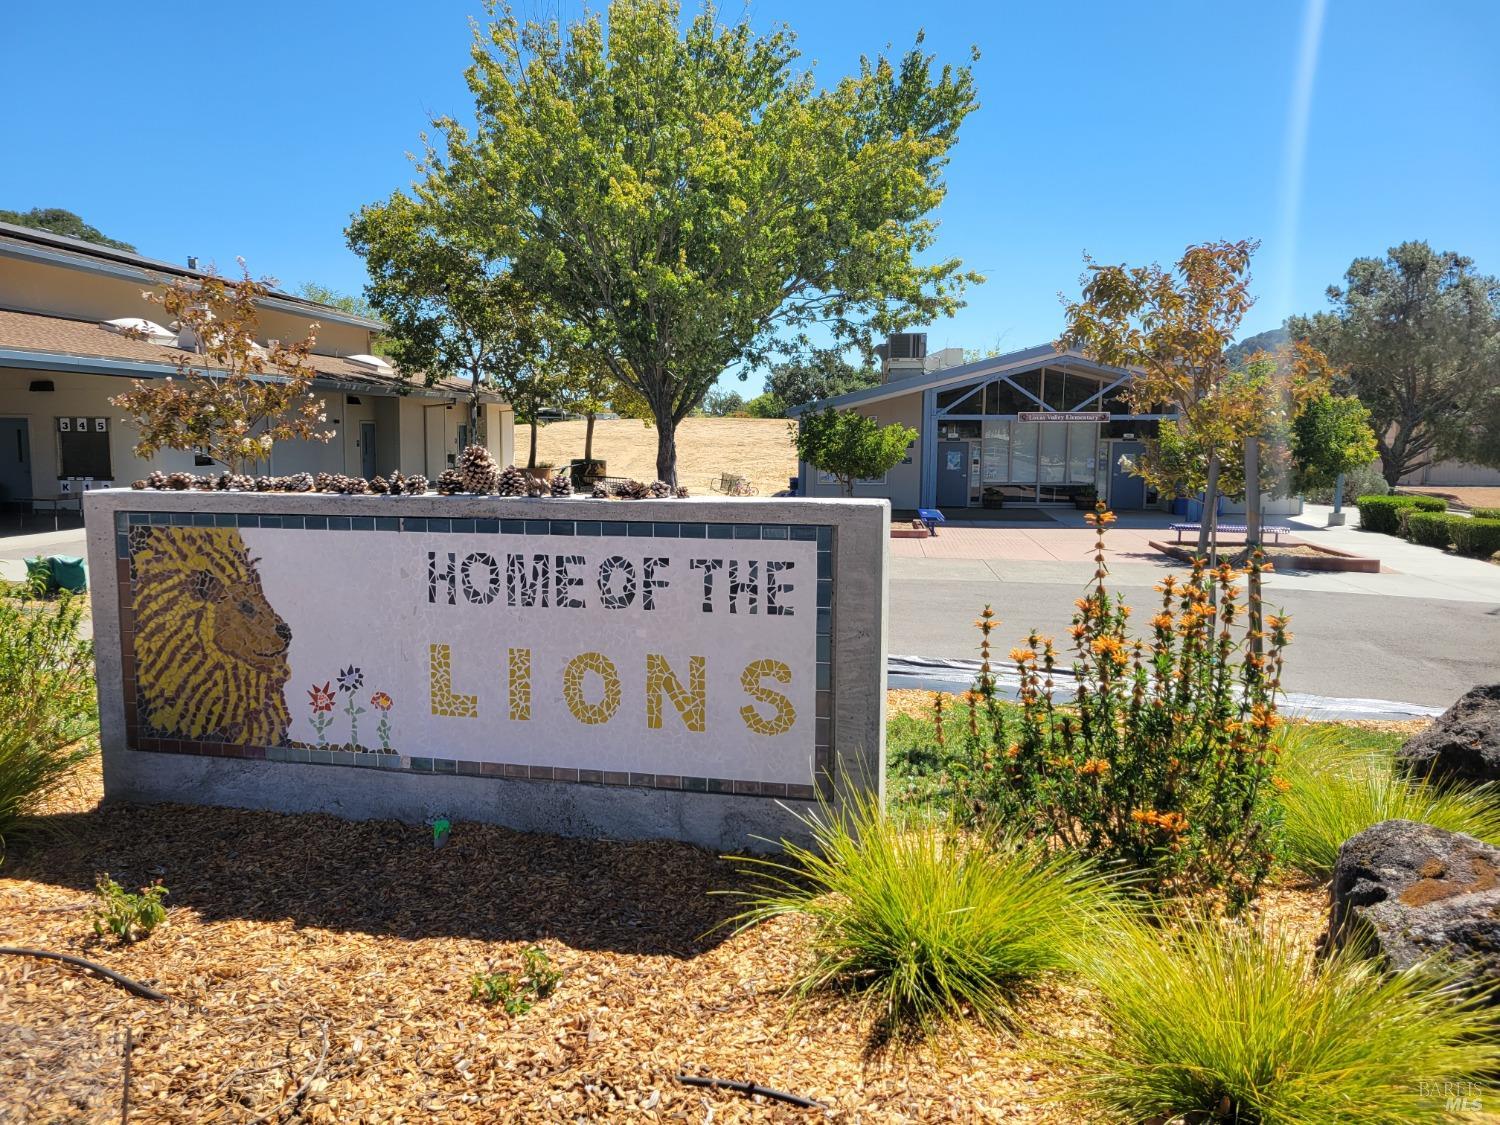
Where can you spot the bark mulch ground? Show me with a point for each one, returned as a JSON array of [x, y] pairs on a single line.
[[284, 929]]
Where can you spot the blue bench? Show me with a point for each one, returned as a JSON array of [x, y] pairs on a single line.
[[931, 517], [1276, 531]]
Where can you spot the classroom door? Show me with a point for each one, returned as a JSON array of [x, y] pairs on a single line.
[[367, 450], [1127, 492], [15, 458], [953, 474]]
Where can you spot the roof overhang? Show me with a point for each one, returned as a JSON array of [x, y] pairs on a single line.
[[26, 359], [1043, 355], [70, 253]]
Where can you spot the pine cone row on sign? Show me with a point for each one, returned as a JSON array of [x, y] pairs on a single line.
[[562, 484], [478, 470], [511, 482]]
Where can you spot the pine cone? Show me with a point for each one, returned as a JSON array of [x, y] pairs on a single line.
[[562, 484], [416, 486], [682, 492], [137, 484], [156, 479], [601, 491], [535, 487], [511, 482], [478, 470], [178, 482], [660, 490], [203, 484], [380, 486], [450, 482]]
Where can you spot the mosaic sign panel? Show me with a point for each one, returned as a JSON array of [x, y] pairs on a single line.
[[690, 656]]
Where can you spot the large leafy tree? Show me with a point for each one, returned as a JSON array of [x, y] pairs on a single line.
[[454, 309], [1419, 334], [62, 222], [816, 377], [695, 201]]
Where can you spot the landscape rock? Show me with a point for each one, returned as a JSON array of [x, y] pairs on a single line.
[[1463, 743], [1415, 891]]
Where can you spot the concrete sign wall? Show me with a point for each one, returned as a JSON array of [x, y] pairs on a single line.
[[688, 669]]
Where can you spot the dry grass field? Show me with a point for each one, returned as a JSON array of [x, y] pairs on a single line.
[[758, 448]]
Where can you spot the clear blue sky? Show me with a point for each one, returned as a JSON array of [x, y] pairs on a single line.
[[1128, 130]]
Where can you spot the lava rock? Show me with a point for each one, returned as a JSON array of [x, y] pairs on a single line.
[[1463, 743], [1404, 892]]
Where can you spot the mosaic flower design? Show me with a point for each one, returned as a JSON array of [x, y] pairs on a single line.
[[321, 700], [383, 703], [351, 679]]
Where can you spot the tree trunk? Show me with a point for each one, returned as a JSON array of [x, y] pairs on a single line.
[[588, 437], [531, 457], [666, 448], [1209, 522], [1252, 492], [473, 420]]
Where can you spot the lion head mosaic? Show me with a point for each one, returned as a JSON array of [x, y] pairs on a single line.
[[210, 651]]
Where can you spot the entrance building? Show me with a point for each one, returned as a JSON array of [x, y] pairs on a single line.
[[1031, 428]]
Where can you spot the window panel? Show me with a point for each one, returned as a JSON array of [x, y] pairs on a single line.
[[1083, 440], [996, 452], [1023, 452], [1054, 453]]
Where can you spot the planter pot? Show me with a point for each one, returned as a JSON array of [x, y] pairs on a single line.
[[541, 472]]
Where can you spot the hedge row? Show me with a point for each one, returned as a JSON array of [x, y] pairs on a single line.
[[1382, 513], [1431, 529], [1478, 537], [1485, 513]]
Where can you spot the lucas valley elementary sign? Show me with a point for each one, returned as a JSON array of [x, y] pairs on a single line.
[[689, 660]]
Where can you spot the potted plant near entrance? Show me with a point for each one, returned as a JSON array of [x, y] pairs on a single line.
[[1086, 497]]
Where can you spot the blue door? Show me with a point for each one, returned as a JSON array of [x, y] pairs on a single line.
[[15, 459], [1127, 492], [953, 474]]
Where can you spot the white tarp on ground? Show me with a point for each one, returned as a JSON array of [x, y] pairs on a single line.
[[932, 674]]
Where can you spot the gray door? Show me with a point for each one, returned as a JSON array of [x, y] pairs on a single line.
[[953, 474], [1127, 492], [15, 459], [367, 449]]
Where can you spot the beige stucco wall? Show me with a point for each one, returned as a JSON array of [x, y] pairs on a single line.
[[60, 291], [903, 484], [401, 430]]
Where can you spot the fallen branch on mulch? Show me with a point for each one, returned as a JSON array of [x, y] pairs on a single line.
[[749, 1088], [141, 990]]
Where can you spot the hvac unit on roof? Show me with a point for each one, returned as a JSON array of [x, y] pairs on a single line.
[[371, 363], [140, 327]]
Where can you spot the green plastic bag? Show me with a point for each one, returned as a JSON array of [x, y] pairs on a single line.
[[69, 573], [47, 574]]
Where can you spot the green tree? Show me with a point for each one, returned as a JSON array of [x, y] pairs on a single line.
[[850, 445], [819, 376], [721, 404], [1418, 333], [354, 303], [695, 201], [454, 311], [65, 223], [766, 405], [1173, 327], [1331, 436]]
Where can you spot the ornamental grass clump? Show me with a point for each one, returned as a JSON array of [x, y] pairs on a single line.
[[47, 710], [1334, 791], [1159, 755], [926, 926], [1214, 1021]]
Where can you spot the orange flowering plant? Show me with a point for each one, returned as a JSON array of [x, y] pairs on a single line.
[[1159, 755]]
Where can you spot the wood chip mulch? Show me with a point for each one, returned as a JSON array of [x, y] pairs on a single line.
[[282, 928]]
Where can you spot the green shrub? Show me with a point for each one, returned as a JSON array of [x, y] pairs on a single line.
[[1430, 529], [517, 995], [1218, 1023], [1335, 790], [1485, 513], [1159, 760], [47, 707], [1383, 513], [1478, 537], [926, 925], [130, 917], [1364, 481]]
